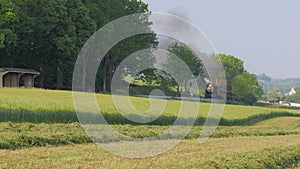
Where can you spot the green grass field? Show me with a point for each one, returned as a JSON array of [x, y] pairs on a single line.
[[39, 129], [37, 105]]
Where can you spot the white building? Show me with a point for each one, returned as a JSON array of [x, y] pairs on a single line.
[[292, 92]]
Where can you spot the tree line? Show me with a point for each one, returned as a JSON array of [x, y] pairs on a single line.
[[48, 36], [240, 82]]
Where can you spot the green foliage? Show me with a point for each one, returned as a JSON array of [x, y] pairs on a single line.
[[243, 84], [184, 59], [275, 94], [246, 87], [48, 35], [188, 56], [8, 36], [232, 67], [136, 90], [202, 94]]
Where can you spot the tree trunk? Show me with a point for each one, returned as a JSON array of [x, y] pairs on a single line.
[[104, 75], [111, 59], [185, 86], [181, 86], [59, 78], [83, 84], [42, 75]]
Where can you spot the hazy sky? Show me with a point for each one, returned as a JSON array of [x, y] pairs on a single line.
[[265, 34]]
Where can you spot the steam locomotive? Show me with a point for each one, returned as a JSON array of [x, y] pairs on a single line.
[[218, 92]]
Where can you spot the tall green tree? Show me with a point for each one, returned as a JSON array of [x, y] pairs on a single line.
[[243, 84], [8, 37], [189, 58], [275, 94], [77, 29], [116, 9], [246, 87], [48, 36], [232, 67]]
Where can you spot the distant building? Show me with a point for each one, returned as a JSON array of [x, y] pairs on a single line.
[[17, 77], [292, 92]]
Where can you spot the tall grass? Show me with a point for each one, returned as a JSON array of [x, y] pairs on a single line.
[[22, 116]]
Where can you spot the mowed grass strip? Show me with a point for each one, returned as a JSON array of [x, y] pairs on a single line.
[[18, 135], [279, 122], [237, 152], [50, 106]]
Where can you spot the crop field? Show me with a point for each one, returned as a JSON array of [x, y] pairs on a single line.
[[39, 129]]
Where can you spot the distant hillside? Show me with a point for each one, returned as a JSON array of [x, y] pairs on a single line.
[[285, 85]]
